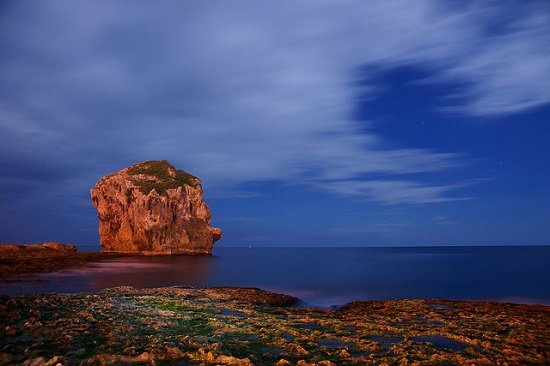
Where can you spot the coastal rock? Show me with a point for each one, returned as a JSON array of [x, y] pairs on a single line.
[[60, 246], [27, 248], [153, 208], [241, 294]]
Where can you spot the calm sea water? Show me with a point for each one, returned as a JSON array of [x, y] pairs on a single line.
[[329, 276]]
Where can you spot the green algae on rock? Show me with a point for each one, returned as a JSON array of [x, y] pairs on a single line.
[[164, 174], [180, 325]]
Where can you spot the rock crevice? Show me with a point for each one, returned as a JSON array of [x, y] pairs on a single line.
[[152, 207]]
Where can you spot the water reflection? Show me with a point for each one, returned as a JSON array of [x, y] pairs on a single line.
[[138, 272], [157, 272], [328, 276]]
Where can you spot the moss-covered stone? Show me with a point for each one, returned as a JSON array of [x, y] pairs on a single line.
[[160, 175], [181, 325]]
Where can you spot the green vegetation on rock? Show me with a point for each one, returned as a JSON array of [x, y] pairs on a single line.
[[233, 326], [160, 175]]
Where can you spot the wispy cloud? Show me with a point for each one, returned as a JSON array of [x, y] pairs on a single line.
[[443, 220], [395, 192], [239, 92]]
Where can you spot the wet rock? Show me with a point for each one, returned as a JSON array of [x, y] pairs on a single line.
[[335, 343], [176, 326], [443, 307], [40, 361], [251, 295], [230, 360], [283, 362]]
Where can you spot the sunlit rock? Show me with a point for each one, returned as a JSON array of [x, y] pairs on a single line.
[[153, 208]]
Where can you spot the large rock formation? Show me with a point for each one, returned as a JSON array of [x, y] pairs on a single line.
[[151, 207]]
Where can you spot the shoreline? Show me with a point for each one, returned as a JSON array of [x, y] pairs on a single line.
[[31, 260], [19, 261], [245, 326]]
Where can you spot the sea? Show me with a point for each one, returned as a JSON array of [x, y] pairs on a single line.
[[327, 277]]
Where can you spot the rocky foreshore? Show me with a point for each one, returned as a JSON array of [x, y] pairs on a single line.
[[19, 260], [237, 326]]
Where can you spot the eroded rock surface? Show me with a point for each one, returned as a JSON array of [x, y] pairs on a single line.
[[153, 208], [231, 326]]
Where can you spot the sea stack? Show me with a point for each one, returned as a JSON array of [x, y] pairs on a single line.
[[153, 208]]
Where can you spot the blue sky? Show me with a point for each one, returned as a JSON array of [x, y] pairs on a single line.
[[310, 123]]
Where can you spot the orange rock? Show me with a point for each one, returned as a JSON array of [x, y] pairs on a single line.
[[59, 246], [153, 208], [283, 362]]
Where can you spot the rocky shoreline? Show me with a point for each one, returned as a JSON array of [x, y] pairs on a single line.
[[239, 326], [242, 326], [18, 261]]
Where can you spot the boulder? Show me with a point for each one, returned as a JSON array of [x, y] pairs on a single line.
[[153, 208], [60, 246]]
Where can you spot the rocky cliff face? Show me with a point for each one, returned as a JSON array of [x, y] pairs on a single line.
[[151, 207]]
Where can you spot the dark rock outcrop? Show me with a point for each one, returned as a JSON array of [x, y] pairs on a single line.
[[153, 208], [28, 248], [19, 260]]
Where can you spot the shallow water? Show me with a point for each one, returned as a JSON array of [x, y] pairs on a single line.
[[387, 342], [328, 276], [336, 343], [441, 342]]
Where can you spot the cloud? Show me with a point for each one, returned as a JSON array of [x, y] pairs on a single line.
[[507, 69], [241, 92], [443, 220], [395, 192]]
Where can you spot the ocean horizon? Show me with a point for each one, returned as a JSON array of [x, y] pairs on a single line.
[[326, 276]]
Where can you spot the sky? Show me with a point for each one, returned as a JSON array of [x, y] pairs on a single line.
[[310, 123]]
